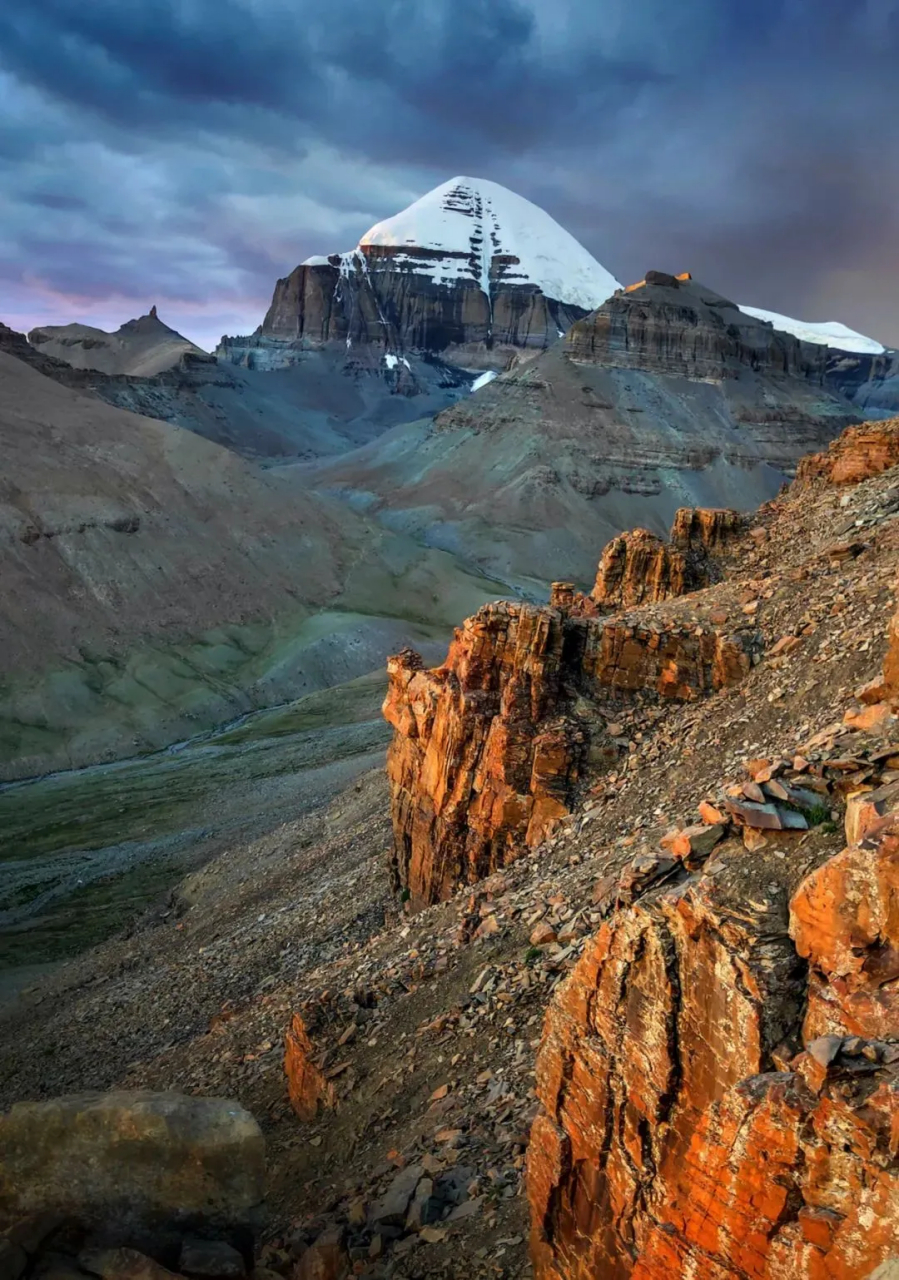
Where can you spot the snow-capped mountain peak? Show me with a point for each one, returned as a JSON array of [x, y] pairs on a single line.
[[468, 271], [473, 229], [828, 333]]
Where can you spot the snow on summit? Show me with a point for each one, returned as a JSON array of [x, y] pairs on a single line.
[[828, 333], [466, 223]]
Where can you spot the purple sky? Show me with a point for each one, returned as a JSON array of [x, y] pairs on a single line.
[[188, 152]]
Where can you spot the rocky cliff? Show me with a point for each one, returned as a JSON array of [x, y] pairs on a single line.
[[857, 367], [488, 749], [639, 568], [665, 396], [719, 1078], [675, 326], [471, 272], [862, 452]]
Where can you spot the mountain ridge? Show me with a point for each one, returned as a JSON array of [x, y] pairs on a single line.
[[667, 396], [141, 347]]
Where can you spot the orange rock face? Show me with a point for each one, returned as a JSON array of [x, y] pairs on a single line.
[[481, 763], [705, 528], [626, 654], [306, 1084], [673, 1004], [668, 1144], [891, 661], [859, 453], [783, 1185], [639, 568], [489, 747], [565, 595], [845, 922]]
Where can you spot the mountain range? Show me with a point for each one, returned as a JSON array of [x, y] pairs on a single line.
[[667, 395], [449, 411]]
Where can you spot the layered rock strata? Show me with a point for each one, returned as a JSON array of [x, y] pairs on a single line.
[[719, 1078], [679, 328], [615, 427], [457, 273], [488, 749], [856, 455], [366, 299]]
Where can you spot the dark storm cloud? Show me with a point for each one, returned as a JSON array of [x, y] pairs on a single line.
[[450, 74], [192, 150]]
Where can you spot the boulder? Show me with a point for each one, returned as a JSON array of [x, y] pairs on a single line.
[[123, 1264], [133, 1160]]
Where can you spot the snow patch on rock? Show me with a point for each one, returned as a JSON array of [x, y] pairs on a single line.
[[483, 380], [829, 333], [392, 361]]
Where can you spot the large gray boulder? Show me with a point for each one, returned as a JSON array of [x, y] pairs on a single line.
[[134, 1160]]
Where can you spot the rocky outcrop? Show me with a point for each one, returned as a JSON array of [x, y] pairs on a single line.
[[705, 529], [488, 749], [635, 1049], [859, 453], [480, 764], [787, 1182], [131, 1161], [679, 1133], [639, 568], [845, 923], [719, 1078], [308, 1088], [677, 327]]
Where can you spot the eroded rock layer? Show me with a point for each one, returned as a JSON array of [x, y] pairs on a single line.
[[856, 455], [369, 300], [489, 747], [678, 327], [639, 568]]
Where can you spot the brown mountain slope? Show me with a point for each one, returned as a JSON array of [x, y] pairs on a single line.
[[151, 581], [666, 397], [140, 347], [318, 405]]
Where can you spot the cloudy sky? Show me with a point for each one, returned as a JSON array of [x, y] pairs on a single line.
[[188, 152]]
